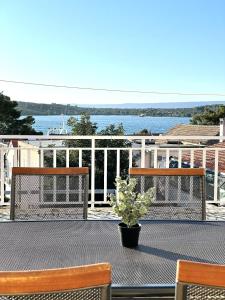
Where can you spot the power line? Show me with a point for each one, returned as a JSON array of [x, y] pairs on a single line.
[[113, 90]]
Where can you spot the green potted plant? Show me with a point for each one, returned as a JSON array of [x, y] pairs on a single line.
[[130, 206]]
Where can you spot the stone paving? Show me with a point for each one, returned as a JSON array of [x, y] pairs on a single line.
[[213, 213]]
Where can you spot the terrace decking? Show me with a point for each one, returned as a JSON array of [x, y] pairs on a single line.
[[213, 213]]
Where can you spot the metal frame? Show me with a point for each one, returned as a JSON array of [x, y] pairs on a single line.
[[49, 171], [145, 292], [54, 283], [200, 172], [210, 277]]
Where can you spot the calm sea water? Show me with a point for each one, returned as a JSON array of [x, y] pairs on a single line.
[[131, 124]]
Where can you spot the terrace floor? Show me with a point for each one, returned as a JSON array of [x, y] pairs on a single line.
[[213, 213]]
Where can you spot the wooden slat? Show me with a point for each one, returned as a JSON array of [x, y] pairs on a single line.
[[200, 273], [167, 171], [55, 279], [49, 171]]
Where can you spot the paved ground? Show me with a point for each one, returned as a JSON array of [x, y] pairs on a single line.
[[213, 212]]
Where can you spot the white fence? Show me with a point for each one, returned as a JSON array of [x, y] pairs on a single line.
[[143, 151]]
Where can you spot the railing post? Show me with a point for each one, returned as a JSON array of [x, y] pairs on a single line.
[[155, 158], [67, 177], [130, 158], [167, 178], [191, 178], [2, 178], [54, 177], [28, 158], [118, 162], [216, 176], [15, 158], [204, 158], [92, 173], [41, 161], [179, 158], [167, 158], [143, 153], [105, 175], [80, 158], [67, 158], [192, 158], [54, 158], [179, 186]]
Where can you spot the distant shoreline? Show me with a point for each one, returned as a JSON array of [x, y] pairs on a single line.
[[39, 109], [118, 115]]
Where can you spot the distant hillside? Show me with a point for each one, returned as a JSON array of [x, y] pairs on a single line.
[[29, 108], [156, 105]]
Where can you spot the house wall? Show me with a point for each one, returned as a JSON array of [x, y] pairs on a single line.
[[29, 156]]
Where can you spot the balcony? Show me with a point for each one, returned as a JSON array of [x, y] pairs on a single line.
[[107, 162], [149, 268]]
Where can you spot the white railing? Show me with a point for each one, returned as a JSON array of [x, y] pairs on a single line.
[[31, 151]]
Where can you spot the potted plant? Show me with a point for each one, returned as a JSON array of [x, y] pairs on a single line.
[[130, 206]]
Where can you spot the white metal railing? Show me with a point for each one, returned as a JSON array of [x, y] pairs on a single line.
[[31, 151]]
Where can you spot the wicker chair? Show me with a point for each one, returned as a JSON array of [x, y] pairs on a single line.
[[49, 193], [199, 281], [179, 193], [85, 282]]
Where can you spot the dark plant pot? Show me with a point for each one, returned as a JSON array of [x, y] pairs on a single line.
[[129, 235]]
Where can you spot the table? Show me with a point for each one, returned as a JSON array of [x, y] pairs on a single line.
[[148, 269]]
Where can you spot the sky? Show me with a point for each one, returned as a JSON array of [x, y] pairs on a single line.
[[149, 45]]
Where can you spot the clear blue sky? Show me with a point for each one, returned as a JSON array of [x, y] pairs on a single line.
[[164, 45]]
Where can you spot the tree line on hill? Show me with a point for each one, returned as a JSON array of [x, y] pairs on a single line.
[[29, 108]]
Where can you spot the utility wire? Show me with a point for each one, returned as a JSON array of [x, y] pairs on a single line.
[[113, 90]]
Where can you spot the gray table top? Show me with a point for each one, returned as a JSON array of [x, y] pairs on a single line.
[[51, 244]]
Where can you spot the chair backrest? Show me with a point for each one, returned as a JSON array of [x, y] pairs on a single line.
[[49, 193], [85, 282], [199, 281], [179, 193]]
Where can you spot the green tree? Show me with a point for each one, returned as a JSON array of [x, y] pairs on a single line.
[[84, 126], [10, 122], [143, 132], [111, 156], [209, 116]]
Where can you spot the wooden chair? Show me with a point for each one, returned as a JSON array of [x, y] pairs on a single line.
[[49, 193], [85, 282], [179, 193], [199, 281]]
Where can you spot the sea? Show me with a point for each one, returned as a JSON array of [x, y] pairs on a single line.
[[131, 124]]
